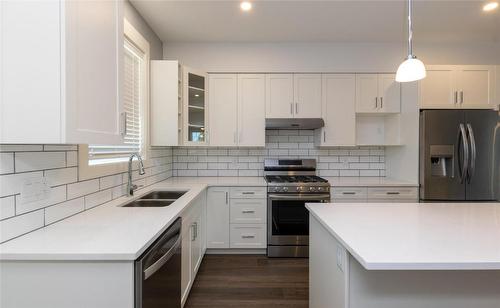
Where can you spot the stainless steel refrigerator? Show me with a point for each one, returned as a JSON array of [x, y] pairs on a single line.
[[459, 155]]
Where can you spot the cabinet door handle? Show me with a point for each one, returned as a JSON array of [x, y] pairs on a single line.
[[248, 193], [381, 102], [324, 136], [461, 97], [248, 236], [456, 97], [193, 234], [348, 193], [227, 197], [393, 192], [376, 102], [296, 108], [248, 211]]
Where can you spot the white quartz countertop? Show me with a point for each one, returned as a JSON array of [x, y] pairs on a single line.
[[413, 236], [106, 232], [219, 181], [368, 182]]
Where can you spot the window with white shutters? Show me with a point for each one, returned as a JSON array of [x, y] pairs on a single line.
[[133, 87]]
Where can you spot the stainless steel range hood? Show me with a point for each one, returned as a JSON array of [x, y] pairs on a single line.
[[309, 123]]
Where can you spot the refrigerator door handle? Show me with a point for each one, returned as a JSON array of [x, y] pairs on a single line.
[[473, 153], [464, 166]]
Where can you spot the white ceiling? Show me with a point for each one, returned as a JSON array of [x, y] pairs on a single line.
[[319, 21]]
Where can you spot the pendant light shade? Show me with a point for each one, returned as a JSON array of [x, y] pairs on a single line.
[[412, 69]]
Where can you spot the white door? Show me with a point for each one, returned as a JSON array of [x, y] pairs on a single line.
[[339, 111], [279, 96], [389, 92], [251, 110], [307, 95], [218, 217], [476, 86], [367, 98], [437, 90], [94, 78], [223, 100], [30, 87]]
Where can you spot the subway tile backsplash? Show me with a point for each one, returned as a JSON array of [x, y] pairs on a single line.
[[68, 196], [341, 161]]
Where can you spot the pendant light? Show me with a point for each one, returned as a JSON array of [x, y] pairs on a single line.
[[412, 69]]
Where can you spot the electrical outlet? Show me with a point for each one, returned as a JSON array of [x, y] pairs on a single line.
[[340, 257], [35, 189]]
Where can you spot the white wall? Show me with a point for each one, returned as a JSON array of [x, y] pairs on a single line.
[[155, 44], [317, 57]]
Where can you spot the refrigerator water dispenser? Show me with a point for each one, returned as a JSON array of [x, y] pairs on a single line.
[[442, 157]]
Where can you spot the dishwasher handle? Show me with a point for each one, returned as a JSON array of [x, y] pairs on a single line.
[[158, 264]]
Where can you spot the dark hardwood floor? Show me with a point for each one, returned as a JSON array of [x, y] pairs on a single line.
[[245, 281]]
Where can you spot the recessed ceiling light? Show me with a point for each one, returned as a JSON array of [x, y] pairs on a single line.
[[246, 6], [490, 6]]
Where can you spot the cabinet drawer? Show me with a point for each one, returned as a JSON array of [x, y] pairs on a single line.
[[393, 193], [248, 211], [248, 192], [358, 193], [248, 236]]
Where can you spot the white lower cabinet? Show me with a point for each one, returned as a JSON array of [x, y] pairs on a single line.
[[236, 217], [218, 217], [374, 194], [193, 243], [248, 236]]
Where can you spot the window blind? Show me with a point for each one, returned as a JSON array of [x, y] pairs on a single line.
[[133, 87]]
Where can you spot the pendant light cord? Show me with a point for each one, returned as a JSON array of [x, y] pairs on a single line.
[[410, 29]]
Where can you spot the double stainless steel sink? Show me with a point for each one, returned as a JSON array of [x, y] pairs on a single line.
[[156, 199]]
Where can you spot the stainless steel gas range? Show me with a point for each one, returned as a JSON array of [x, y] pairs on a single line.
[[291, 183]]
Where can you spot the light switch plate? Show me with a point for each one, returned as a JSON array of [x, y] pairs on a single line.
[[35, 189]]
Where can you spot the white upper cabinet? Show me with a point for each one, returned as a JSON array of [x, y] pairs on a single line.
[[195, 107], [307, 95], [377, 93], [223, 109], [338, 111], [476, 85], [389, 91], [166, 103], [52, 92], [237, 109], [279, 96], [251, 110], [437, 90], [458, 86], [293, 95]]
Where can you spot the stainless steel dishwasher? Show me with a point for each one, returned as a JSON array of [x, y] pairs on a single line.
[[158, 271]]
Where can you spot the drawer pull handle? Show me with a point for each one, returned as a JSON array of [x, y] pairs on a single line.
[[248, 211], [248, 236], [393, 192], [348, 193], [248, 193]]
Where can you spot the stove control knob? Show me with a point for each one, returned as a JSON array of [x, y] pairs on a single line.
[[298, 188], [285, 188], [311, 188], [319, 188]]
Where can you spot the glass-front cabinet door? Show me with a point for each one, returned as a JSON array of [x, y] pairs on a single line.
[[195, 107]]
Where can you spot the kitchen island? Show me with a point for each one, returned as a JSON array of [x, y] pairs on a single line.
[[404, 255]]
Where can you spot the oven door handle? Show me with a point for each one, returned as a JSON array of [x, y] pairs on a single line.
[[299, 197], [158, 264]]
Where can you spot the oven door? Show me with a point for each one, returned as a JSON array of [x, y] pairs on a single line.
[[288, 218]]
